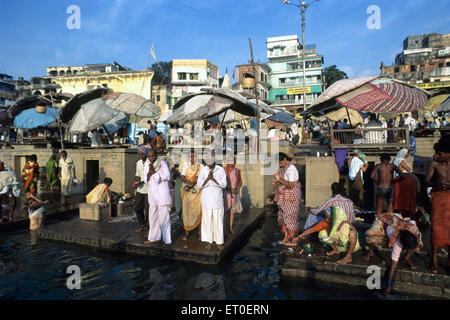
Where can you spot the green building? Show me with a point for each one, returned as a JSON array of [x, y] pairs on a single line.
[[286, 76]]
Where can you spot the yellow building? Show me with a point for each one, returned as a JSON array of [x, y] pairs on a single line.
[[162, 97], [138, 82]]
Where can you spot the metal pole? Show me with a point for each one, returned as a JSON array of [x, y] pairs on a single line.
[[304, 6]]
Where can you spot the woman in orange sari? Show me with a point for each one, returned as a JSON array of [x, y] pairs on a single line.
[[190, 196], [30, 175], [233, 192]]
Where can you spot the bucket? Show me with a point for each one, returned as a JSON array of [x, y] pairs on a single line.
[[41, 109]]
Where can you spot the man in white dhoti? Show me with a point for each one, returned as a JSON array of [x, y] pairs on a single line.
[[212, 179], [157, 176]]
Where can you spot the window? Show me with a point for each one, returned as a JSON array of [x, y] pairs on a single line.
[[413, 68], [158, 98], [441, 65], [448, 64], [261, 77], [182, 76], [193, 76], [396, 69]]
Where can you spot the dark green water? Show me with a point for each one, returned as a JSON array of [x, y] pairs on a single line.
[[33, 268]]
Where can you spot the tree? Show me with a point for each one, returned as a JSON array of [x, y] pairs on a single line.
[[332, 74], [163, 72]]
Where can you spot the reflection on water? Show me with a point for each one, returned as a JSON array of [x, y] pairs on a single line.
[[32, 268]]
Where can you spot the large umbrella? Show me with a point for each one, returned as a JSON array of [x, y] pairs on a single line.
[[37, 100], [436, 101], [30, 119], [370, 94], [283, 117], [75, 103], [341, 114], [444, 106], [132, 104], [210, 102], [94, 114]]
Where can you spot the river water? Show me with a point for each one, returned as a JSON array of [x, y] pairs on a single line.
[[33, 268]]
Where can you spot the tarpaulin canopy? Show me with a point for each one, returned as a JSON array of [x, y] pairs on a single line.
[[341, 114], [30, 119], [370, 94], [444, 106], [95, 114], [436, 101]]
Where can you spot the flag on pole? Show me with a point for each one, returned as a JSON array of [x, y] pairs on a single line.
[[233, 73], [152, 52]]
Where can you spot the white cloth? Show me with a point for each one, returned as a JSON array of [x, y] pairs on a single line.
[[291, 174], [355, 165], [397, 247], [294, 128], [212, 194], [140, 166], [159, 223], [212, 225], [272, 134], [9, 183], [373, 137], [158, 185], [398, 159], [66, 168]]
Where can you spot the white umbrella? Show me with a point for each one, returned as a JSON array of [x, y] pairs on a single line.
[[94, 114]]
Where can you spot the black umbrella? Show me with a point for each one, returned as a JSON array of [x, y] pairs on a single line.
[[74, 104]]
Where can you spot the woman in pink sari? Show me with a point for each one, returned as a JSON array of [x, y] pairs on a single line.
[[233, 191]]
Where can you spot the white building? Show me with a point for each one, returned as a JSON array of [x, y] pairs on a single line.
[[191, 75]]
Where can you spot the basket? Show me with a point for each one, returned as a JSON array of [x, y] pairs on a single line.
[[41, 109]]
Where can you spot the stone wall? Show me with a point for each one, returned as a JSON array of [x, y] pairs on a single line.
[[119, 164]]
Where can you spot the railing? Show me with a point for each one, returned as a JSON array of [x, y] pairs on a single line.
[[374, 139], [294, 101]]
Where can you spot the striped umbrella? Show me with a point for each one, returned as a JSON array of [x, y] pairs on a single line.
[[384, 95], [370, 94]]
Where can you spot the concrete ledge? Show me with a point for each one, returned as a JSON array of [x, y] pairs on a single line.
[[118, 234], [405, 282]]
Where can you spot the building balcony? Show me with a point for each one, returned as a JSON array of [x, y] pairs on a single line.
[[440, 72], [298, 84], [278, 102]]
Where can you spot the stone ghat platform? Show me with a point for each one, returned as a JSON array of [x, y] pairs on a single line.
[[56, 210], [118, 234], [321, 268]]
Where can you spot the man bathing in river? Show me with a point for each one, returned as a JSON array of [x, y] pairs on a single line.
[[382, 175]]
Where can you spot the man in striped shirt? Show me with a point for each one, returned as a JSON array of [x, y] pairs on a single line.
[[318, 221]]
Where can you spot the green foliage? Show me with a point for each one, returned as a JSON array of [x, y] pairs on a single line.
[[163, 72], [332, 74]]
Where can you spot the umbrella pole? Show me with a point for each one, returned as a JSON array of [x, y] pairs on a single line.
[[59, 121], [109, 134], [223, 118], [348, 115]]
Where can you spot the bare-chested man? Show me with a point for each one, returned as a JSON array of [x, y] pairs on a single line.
[[438, 177], [382, 175]]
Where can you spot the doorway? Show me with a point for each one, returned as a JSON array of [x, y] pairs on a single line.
[[92, 174]]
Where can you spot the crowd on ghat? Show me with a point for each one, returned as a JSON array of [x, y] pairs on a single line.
[[207, 195]]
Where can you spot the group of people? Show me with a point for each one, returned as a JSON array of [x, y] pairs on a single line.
[[62, 171], [208, 191], [395, 219]]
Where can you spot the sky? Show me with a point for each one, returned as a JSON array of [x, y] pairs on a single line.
[[34, 34]]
